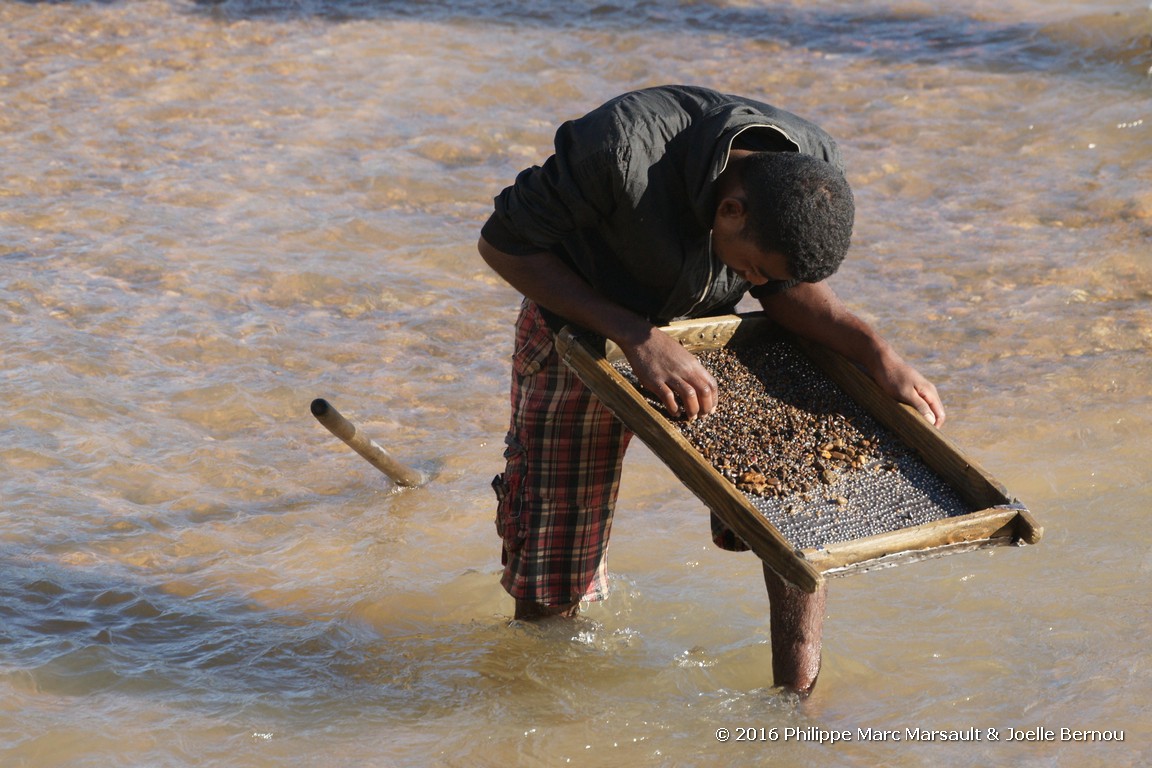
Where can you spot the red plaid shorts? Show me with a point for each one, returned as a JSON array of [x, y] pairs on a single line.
[[556, 496]]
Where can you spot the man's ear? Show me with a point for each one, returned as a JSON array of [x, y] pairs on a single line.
[[731, 206]]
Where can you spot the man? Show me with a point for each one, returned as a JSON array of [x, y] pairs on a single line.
[[665, 203]]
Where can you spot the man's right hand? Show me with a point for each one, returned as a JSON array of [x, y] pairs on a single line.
[[673, 374]]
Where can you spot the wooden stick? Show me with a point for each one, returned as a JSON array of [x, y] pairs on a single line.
[[332, 419]]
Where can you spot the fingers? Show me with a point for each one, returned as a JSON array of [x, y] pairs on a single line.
[[668, 397], [699, 400], [691, 400], [707, 396], [935, 409], [928, 403]]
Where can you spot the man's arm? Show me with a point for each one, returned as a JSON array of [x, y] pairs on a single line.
[[814, 311], [663, 366]]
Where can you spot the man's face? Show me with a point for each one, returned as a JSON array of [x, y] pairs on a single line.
[[746, 258]]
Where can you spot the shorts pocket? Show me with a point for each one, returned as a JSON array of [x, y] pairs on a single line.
[[533, 352], [511, 525]]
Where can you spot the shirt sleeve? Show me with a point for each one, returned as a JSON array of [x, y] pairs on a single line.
[[771, 288], [497, 233], [576, 188]]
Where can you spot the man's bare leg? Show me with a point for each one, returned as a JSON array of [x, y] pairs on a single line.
[[526, 610], [797, 630]]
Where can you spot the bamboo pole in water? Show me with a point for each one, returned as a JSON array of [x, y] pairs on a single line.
[[335, 422]]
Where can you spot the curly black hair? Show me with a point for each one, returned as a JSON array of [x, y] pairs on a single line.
[[799, 206]]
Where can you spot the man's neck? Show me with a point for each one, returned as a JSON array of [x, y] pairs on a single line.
[[728, 183]]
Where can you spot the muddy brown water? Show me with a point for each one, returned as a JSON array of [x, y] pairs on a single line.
[[212, 213]]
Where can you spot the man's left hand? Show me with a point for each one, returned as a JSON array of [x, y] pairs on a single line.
[[908, 385]]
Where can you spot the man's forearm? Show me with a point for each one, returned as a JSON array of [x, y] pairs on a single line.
[[814, 311], [552, 284]]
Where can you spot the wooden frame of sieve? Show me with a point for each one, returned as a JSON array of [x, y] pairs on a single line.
[[1000, 519]]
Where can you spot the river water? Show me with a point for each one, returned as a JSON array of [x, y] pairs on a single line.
[[212, 213]]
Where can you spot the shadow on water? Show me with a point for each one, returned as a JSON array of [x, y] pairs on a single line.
[[76, 632], [1097, 42]]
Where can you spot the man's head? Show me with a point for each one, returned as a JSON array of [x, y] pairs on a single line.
[[800, 207]]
